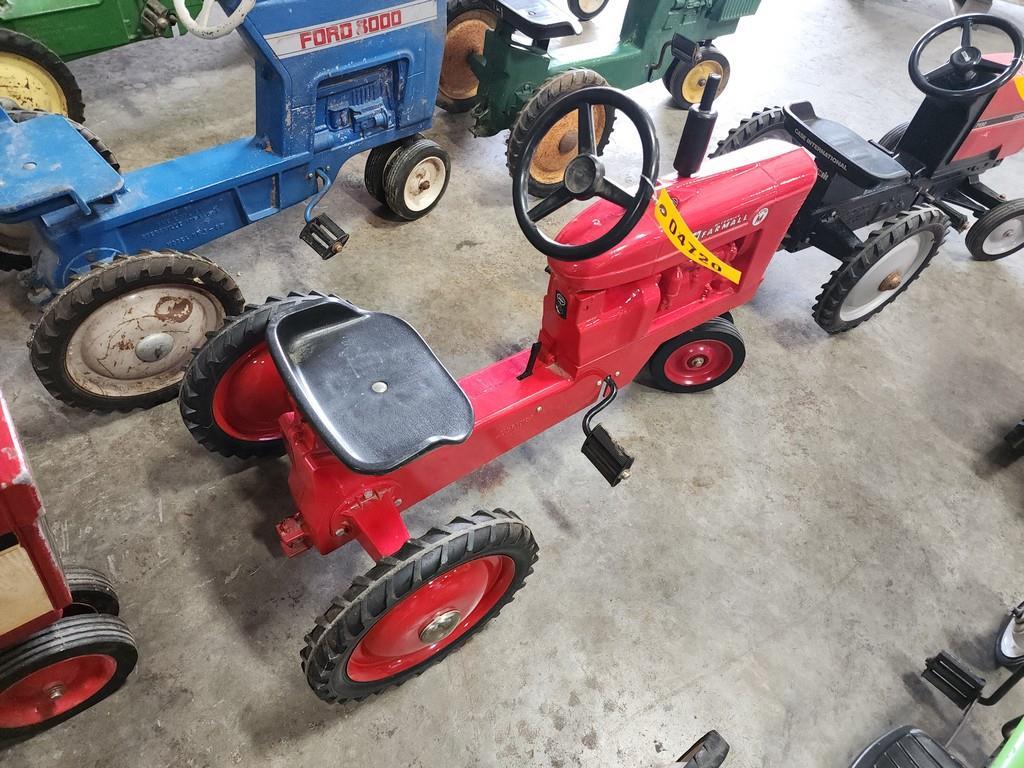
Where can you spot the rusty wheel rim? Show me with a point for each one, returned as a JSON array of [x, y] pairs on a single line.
[[561, 144], [142, 340], [465, 38]]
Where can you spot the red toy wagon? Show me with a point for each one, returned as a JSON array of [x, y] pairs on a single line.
[[62, 646]]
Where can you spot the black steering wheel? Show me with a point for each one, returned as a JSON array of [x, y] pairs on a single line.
[[967, 63], [585, 175]]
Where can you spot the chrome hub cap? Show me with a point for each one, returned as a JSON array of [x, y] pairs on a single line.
[[425, 184], [698, 362], [440, 627], [141, 341], [1007, 237], [889, 273]]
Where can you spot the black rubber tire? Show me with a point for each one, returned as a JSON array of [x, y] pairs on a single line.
[[986, 224], [579, 13], [28, 48], [105, 282], [552, 89], [399, 168], [681, 71], [208, 367], [1007, 662], [14, 255], [893, 136], [719, 329], [65, 639], [1015, 438], [337, 632], [893, 232], [769, 123], [457, 8], [91, 593], [376, 162]]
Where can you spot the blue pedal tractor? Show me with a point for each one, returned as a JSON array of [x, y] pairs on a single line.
[[125, 304]]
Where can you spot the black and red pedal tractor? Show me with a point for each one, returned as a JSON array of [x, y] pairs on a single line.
[[919, 179], [62, 646], [373, 423]]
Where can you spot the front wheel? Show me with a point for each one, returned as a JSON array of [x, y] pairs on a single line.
[[418, 606], [120, 337], [415, 178], [585, 10], [999, 233], [698, 360], [884, 267], [686, 80]]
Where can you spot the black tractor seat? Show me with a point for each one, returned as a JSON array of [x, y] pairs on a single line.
[[368, 383], [906, 747], [853, 156], [537, 19]]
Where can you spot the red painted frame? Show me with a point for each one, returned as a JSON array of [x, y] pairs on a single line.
[[618, 309], [1000, 129], [21, 513]]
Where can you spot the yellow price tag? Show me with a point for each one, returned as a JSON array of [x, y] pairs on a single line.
[[682, 237]]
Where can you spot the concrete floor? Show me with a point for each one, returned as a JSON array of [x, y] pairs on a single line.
[[789, 550]]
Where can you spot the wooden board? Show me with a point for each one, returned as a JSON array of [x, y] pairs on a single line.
[[22, 596]]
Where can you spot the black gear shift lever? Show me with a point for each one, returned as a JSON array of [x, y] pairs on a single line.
[[700, 125]]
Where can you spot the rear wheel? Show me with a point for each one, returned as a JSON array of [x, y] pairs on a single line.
[[61, 671], [34, 77], [698, 360], [769, 123], [561, 144], [999, 233], [893, 137], [232, 395], [686, 80], [885, 266], [468, 24], [420, 605], [121, 336], [585, 10]]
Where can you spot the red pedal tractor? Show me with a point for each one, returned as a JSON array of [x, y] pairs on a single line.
[[373, 423], [62, 646]]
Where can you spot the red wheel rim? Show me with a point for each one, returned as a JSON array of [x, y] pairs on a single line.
[[431, 618], [251, 397], [55, 689], [699, 362]]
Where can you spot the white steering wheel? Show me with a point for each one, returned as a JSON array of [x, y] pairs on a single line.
[[201, 26]]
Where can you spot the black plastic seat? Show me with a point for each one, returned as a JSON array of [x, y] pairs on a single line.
[[537, 19], [906, 747], [368, 383], [853, 156]]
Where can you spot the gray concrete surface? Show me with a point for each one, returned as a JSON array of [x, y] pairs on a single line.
[[789, 549]]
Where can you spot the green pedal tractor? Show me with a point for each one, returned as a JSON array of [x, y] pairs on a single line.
[[39, 37], [497, 64]]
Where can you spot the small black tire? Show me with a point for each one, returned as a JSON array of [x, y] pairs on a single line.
[[698, 360], [91, 593], [208, 368], [1003, 659], [468, 22], [577, 10], [830, 310], [339, 632], [14, 238], [769, 123], [550, 156], [83, 383], [17, 44], [893, 137], [688, 78], [373, 175], [104, 643], [425, 166], [1009, 217]]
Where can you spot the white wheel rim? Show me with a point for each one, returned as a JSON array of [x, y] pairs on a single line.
[[200, 27], [142, 341], [1007, 237], [1011, 644], [896, 269], [591, 6], [425, 184]]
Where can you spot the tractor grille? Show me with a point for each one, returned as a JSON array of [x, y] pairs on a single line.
[[730, 10]]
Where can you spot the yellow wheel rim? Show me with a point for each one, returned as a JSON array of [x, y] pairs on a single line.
[[465, 38], [561, 144], [697, 78], [29, 85]]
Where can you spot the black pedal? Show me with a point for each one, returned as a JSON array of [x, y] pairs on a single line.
[[953, 680], [710, 752], [607, 455], [324, 236]]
